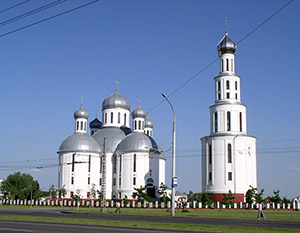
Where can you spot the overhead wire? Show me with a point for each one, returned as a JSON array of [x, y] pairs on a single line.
[[49, 18], [14, 6], [32, 12]]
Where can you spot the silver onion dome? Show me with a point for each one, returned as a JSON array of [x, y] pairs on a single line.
[[113, 135], [79, 142], [137, 142], [148, 123], [138, 112], [95, 124], [81, 113], [116, 101], [226, 45]]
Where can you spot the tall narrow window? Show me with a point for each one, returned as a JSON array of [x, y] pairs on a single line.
[[229, 175], [232, 65], [140, 125], [72, 180], [89, 180], [73, 162], [209, 176], [114, 182], [236, 96], [89, 168], [84, 125], [119, 117], [219, 96], [209, 154], [227, 64], [228, 121], [216, 121], [105, 117], [124, 118], [229, 153], [134, 163], [120, 180], [101, 164], [219, 85], [222, 65], [77, 125], [227, 85], [81, 125], [111, 117], [135, 124], [100, 181], [241, 122], [115, 164], [236, 85], [120, 164], [228, 95], [134, 180]]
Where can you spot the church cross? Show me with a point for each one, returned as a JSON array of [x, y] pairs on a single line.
[[117, 83], [226, 25]]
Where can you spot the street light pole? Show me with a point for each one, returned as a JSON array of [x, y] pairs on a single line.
[[173, 156]]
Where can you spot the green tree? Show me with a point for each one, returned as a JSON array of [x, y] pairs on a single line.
[[253, 195], [93, 191], [126, 201], [227, 199], [162, 191], [286, 201], [259, 196], [76, 198], [19, 186], [205, 199], [194, 197], [141, 194], [62, 192], [52, 191], [275, 198]]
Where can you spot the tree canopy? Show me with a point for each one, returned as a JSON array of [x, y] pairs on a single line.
[[19, 186]]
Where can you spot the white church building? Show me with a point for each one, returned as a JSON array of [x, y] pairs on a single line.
[[228, 153], [114, 157]]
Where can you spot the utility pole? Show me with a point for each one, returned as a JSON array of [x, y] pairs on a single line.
[[103, 186]]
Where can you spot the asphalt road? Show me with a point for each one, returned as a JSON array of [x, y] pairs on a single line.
[[62, 213]]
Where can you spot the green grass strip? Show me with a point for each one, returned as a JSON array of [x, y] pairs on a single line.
[[153, 225]]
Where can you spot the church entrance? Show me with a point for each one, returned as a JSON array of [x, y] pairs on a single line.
[[150, 188]]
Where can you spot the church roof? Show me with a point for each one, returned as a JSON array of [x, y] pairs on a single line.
[[95, 124], [113, 135], [116, 101], [138, 112], [81, 113], [226, 45], [137, 141], [148, 123], [79, 142]]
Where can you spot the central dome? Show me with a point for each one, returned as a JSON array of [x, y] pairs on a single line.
[[116, 101]]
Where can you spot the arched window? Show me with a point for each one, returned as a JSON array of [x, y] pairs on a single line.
[[119, 117], [222, 65], [111, 117], [81, 125], [228, 121], [209, 154], [84, 125], [241, 121], [236, 85], [105, 117], [124, 118], [229, 153], [135, 124], [77, 125], [219, 85], [227, 64], [140, 125], [134, 163], [227, 85], [216, 121], [232, 65]]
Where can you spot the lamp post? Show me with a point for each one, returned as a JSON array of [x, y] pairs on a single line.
[[174, 183]]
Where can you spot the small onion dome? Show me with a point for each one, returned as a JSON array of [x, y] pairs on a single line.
[[116, 101], [137, 142], [81, 113], [226, 45], [79, 142], [95, 124], [148, 123], [138, 112]]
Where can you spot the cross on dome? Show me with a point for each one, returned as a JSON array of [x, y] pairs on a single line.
[[117, 83], [226, 25]]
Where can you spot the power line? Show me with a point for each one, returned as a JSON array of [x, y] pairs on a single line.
[[212, 62], [32, 12], [9, 8], [49, 18]]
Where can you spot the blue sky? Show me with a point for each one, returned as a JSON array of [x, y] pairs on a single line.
[[150, 47]]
